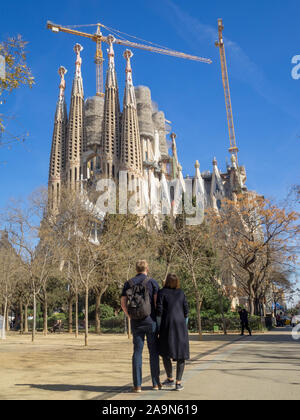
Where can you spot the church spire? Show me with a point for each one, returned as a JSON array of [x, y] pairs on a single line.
[[175, 162], [77, 87], [131, 156], [217, 191], [57, 157], [75, 138], [111, 80], [111, 122], [129, 96]]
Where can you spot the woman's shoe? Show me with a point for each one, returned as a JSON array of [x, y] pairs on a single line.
[[179, 387], [167, 384]]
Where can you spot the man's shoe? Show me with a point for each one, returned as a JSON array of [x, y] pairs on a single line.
[[136, 389], [157, 387], [167, 384], [179, 387]]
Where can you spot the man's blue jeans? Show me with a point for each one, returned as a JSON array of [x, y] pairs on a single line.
[[139, 332]]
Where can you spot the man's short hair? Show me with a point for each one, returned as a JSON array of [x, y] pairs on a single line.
[[141, 266]]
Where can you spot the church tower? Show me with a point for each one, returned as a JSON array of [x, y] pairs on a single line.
[[110, 139], [130, 150], [57, 156], [75, 138], [175, 162]]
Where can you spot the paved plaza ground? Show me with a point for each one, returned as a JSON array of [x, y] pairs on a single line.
[[265, 366]]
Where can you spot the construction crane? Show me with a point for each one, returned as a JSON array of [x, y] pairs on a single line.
[[233, 150], [98, 37]]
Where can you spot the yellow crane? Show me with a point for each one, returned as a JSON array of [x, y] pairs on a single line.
[[98, 37], [233, 147]]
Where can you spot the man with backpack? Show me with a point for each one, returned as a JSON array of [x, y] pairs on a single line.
[[138, 301]]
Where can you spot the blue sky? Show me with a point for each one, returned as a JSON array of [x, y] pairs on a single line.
[[261, 39]]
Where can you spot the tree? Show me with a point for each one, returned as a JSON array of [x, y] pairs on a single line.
[[35, 242], [129, 241], [187, 250], [198, 260], [253, 237], [17, 71], [10, 266], [86, 246]]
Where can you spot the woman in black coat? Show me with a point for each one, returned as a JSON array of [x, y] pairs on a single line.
[[172, 311]]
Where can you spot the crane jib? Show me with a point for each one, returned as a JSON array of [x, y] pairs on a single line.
[[98, 38]]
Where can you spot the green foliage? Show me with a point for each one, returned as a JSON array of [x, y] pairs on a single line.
[[212, 300], [57, 293], [17, 72], [56, 316], [106, 311], [111, 297], [113, 325], [211, 296]]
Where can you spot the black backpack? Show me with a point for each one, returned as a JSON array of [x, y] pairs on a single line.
[[138, 305]]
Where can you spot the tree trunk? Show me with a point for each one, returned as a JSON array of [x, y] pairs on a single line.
[[86, 316], [99, 295], [26, 318], [251, 300], [70, 321], [45, 316], [251, 295], [76, 315], [21, 316], [3, 336], [258, 307], [167, 272], [251, 305], [7, 326], [199, 321], [198, 305], [222, 312], [97, 313], [34, 317]]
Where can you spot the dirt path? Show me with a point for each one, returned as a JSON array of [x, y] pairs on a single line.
[[60, 367]]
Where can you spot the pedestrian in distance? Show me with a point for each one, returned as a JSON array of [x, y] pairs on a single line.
[[278, 320], [138, 302], [282, 321], [293, 321], [244, 321], [172, 316]]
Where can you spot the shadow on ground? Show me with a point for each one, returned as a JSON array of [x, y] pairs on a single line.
[[86, 388]]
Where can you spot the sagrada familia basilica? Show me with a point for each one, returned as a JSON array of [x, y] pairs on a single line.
[[97, 140]]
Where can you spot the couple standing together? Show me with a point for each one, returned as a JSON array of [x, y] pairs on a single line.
[[161, 315]]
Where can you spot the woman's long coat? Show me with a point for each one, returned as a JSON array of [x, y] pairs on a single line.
[[173, 335]]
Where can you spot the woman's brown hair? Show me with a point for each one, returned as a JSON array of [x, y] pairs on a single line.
[[172, 282]]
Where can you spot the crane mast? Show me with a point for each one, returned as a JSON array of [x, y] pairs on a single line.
[[233, 150], [99, 62], [98, 37]]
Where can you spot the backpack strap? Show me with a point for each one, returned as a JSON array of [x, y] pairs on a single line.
[[145, 281], [131, 284]]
